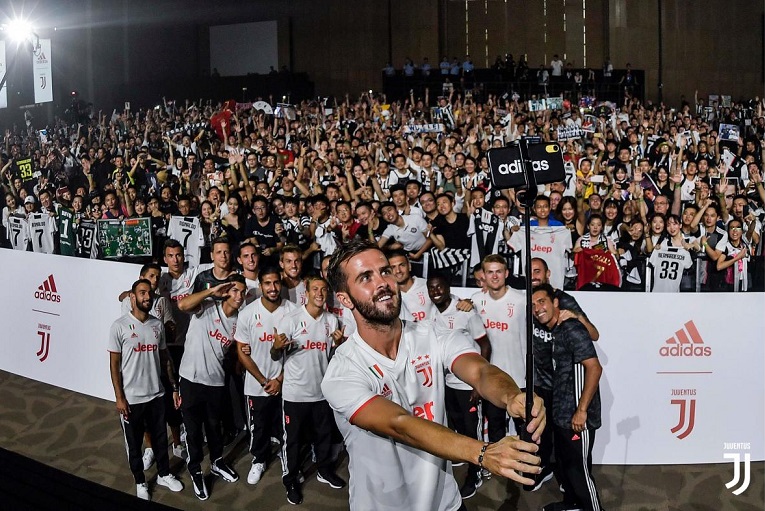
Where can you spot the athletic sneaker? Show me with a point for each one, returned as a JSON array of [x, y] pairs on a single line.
[[170, 481], [485, 474], [200, 488], [470, 487], [148, 458], [179, 451], [561, 506], [255, 473], [545, 475], [294, 495], [221, 469], [331, 479], [142, 491]]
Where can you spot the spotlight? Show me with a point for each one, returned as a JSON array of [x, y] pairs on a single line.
[[19, 30]]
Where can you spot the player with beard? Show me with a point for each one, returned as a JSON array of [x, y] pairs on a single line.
[[293, 287], [208, 342], [137, 356], [386, 387], [264, 376], [543, 365]]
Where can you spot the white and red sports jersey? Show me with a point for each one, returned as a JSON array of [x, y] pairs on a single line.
[[187, 231], [18, 232], [549, 243], [297, 295], [306, 359], [41, 229], [177, 289], [416, 301], [505, 324], [255, 327], [139, 344], [210, 336], [411, 478], [468, 323]]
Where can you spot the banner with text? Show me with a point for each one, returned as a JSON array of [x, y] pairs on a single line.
[[43, 73], [682, 378]]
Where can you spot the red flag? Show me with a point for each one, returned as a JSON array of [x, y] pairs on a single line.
[[595, 265]]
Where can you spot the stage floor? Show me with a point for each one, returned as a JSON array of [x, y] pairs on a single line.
[[81, 435]]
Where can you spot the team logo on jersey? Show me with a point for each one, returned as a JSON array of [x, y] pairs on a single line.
[[134, 335], [451, 322], [216, 320], [686, 342], [421, 297], [131, 327], [424, 370], [258, 323], [510, 309], [744, 476], [48, 291]]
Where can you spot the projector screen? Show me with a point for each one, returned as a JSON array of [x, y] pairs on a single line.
[[242, 48]]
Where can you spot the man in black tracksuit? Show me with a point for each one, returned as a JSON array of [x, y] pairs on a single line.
[[576, 401]]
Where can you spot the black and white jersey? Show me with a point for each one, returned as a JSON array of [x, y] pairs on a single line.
[[87, 242], [18, 232], [187, 231], [667, 264], [42, 227]]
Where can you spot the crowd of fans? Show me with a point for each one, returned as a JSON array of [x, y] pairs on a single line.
[[413, 174]]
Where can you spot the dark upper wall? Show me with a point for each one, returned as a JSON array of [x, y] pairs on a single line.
[[107, 48]]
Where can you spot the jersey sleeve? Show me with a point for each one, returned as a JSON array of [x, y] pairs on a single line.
[[388, 232], [162, 343], [346, 387], [242, 333], [455, 344], [475, 325], [167, 310], [114, 344]]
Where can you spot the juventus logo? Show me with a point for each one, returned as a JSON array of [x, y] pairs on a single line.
[[427, 374], [687, 414], [42, 353], [736, 458], [43, 82]]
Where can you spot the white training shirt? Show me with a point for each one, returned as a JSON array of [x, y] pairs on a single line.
[[139, 344], [211, 334], [468, 323], [305, 361], [255, 327], [416, 301], [505, 324], [410, 235], [387, 475]]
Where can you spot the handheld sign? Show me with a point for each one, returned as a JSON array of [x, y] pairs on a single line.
[[506, 165]]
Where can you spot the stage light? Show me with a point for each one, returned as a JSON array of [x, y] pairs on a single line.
[[19, 30]]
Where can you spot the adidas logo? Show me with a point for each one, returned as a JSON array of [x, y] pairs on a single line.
[[47, 290], [686, 342]]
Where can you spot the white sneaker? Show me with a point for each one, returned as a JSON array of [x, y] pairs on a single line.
[[256, 472], [148, 458], [183, 434], [170, 481], [179, 451], [142, 491]]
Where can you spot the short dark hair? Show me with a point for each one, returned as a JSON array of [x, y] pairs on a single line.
[[171, 243], [219, 240], [237, 277], [546, 289], [395, 252], [269, 270], [336, 276], [138, 283], [544, 263], [149, 266]]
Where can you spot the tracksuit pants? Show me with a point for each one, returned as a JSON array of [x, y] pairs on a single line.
[[143, 417], [202, 408], [264, 420], [574, 453], [312, 420], [463, 417]]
